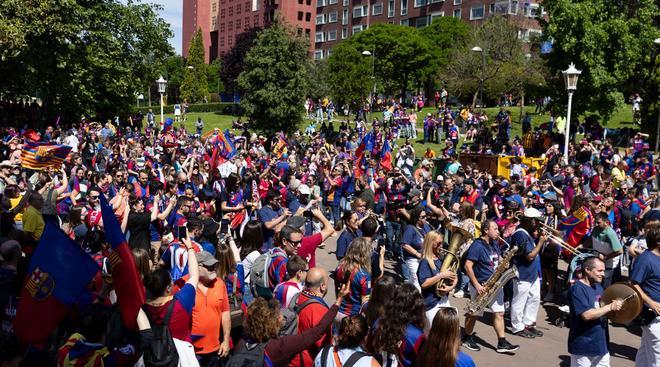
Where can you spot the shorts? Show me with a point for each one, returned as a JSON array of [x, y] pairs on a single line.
[[496, 305]]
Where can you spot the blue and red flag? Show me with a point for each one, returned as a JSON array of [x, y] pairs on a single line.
[[58, 276], [125, 277], [168, 124], [41, 155], [366, 145], [577, 226], [386, 156], [228, 148]]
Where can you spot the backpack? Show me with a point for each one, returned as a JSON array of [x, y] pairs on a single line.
[[291, 314], [248, 355], [161, 350], [628, 222], [350, 362], [259, 281]]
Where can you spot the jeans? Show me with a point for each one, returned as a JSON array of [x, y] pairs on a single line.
[[336, 213], [392, 230]]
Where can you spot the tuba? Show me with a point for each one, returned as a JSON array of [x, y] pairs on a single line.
[[459, 237], [632, 302]]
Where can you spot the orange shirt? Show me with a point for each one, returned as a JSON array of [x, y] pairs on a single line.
[[207, 317]]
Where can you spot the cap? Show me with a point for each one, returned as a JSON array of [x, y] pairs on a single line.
[[504, 184], [439, 178], [304, 190], [414, 192], [532, 213], [6, 163], [205, 258], [296, 221], [425, 162]]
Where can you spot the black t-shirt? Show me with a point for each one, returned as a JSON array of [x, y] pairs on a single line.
[[138, 226]]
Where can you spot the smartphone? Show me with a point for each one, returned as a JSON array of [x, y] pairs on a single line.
[[182, 232]]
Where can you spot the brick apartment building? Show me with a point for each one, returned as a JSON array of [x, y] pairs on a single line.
[[327, 22]]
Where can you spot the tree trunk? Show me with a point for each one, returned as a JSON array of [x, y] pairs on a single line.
[[522, 105], [474, 99]]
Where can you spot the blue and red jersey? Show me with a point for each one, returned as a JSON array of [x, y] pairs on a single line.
[[360, 285], [277, 268], [411, 344]]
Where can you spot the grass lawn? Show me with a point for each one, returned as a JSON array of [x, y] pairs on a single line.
[[621, 118]]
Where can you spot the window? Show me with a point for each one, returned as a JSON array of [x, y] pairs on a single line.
[[344, 33], [420, 22], [308, 2], [320, 19], [308, 17], [377, 9], [238, 25], [332, 35], [238, 9], [457, 2], [435, 16], [390, 8], [500, 7], [332, 2], [300, 15], [332, 17], [435, 1], [360, 11], [214, 21], [318, 55], [222, 13], [320, 3], [491, 8], [247, 7], [344, 17], [300, 2], [513, 7], [404, 22], [328, 53], [457, 13], [419, 3], [345, 3], [357, 29], [214, 7], [477, 12], [532, 11], [404, 7], [231, 11], [319, 37]]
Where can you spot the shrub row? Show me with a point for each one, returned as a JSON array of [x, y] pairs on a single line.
[[223, 107]]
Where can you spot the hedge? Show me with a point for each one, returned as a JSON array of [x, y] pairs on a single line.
[[224, 107]]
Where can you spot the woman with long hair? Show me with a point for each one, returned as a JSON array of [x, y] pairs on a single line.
[[400, 332], [429, 275], [251, 241], [381, 293], [355, 269], [441, 348], [352, 331]]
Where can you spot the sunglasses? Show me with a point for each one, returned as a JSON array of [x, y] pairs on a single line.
[[210, 267], [294, 242]]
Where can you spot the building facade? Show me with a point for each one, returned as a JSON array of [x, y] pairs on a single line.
[[327, 22]]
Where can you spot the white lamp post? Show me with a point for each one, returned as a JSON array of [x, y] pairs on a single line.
[[139, 96], [570, 79], [657, 109], [162, 85], [481, 78], [372, 94]]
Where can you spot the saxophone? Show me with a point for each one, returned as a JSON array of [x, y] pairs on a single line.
[[501, 275]]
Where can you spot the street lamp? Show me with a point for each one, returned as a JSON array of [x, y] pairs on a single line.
[[372, 94], [481, 78], [139, 97], [656, 42], [570, 79], [162, 85]]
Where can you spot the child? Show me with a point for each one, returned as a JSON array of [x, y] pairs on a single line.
[[296, 268]]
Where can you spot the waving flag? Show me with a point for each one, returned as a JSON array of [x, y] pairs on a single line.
[[58, 276], [125, 277], [366, 145], [577, 226], [386, 156], [280, 146], [168, 124], [41, 155], [228, 149]]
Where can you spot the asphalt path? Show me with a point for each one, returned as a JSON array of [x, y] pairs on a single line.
[[548, 350]]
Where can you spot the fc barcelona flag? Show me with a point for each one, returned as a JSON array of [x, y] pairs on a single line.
[[58, 276], [41, 155], [125, 277], [577, 226]]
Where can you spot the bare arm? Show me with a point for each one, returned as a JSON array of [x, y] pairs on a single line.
[[193, 269], [596, 313], [326, 230], [535, 251], [168, 209], [124, 219]]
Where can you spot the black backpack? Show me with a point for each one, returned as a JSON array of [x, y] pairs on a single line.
[[350, 362], [248, 355], [161, 351]]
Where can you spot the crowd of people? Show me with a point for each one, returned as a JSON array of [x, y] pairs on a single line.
[[225, 228]]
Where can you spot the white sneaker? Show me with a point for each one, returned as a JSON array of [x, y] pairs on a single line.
[[564, 309], [459, 294]]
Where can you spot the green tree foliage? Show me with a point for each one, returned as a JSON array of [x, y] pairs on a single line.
[[443, 35], [275, 79], [402, 55], [80, 56], [349, 74], [213, 77], [194, 85], [319, 86], [611, 41], [233, 63]]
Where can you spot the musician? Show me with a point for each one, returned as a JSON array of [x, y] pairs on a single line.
[[606, 242], [482, 258], [588, 337], [527, 287], [645, 275]]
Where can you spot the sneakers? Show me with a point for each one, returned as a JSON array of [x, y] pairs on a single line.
[[564, 309], [470, 342], [525, 334], [459, 294], [533, 330], [506, 347]]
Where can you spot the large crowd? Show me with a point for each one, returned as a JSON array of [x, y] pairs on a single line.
[[224, 228]]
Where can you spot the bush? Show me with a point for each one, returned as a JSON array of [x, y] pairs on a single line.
[[222, 107]]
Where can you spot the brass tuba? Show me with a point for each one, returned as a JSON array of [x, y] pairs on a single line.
[[632, 302], [459, 237]]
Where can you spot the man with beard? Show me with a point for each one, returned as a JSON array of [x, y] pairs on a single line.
[[211, 314], [273, 217]]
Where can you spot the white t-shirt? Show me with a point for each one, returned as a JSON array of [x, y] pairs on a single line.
[[73, 142], [247, 264], [344, 355]]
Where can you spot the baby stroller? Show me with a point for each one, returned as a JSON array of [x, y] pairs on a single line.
[[574, 268]]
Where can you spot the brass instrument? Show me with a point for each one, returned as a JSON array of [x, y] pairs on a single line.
[[549, 232], [459, 237], [632, 302], [502, 274]]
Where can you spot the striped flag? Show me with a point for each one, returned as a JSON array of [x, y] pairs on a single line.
[[41, 155]]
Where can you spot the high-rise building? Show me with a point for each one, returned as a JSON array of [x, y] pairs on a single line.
[[327, 22]]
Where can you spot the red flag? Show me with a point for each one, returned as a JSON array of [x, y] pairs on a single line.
[[386, 156], [125, 277]]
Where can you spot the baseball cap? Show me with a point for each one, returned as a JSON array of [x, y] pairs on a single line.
[[304, 190], [6, 163], [532, 213], [414, 192], [205, 258]]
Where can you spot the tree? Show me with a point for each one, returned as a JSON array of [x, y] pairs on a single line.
[[213, 77], [172, 71], [275, 79], [318, 76], [499, 65], [194, 86], [612, 43], [80, 57], [233, 63], [349, 74]]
